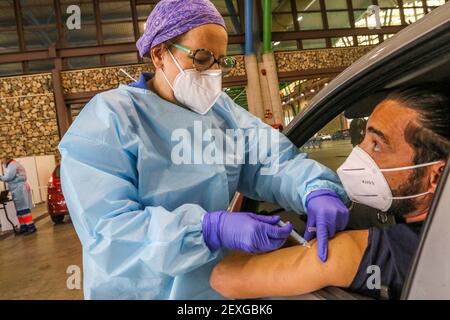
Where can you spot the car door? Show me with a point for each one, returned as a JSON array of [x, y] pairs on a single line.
[[419, 53], [429, 277]]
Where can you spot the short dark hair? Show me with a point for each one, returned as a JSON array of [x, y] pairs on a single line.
[[430, 137]]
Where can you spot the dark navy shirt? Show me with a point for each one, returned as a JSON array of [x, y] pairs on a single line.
[[392, 249]]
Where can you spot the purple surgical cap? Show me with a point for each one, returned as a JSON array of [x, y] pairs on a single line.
[[171, 18]]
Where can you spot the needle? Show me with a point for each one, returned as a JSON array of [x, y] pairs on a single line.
[[296, 236]]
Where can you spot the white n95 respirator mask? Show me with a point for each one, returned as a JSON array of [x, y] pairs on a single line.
[[365, 183], [196, 90]]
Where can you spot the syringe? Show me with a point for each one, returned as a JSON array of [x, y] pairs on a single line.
[[296, 236]]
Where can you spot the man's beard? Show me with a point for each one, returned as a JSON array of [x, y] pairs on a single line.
[[412, 186]]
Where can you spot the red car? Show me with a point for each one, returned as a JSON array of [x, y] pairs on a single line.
[[56, 204]]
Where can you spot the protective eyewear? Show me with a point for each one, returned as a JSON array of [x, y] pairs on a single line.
[[203, 59]]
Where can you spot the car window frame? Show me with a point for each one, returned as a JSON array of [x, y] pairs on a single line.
[[327, 105]]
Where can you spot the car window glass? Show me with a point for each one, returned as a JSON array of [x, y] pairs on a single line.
[[332, 144]]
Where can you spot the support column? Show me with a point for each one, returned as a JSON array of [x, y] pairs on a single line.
[[254, 94], [269, 76], [253, 89], [344, 123], [264, 86], [62, 111], [273, 88]]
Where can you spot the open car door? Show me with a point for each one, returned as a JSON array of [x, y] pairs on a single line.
[[429, 277]]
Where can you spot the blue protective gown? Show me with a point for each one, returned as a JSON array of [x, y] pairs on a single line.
[[138, 215], [16, 177]]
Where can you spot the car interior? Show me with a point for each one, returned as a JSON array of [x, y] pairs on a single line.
[[414, 64]]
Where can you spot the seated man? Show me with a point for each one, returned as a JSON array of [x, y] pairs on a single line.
[[410, 127]]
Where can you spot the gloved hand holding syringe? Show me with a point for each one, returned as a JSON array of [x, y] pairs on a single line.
[[296, 236]]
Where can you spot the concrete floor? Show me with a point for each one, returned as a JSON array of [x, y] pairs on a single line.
[[34, 266]]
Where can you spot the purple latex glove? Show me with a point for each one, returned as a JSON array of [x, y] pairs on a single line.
[[243, 231], [326, 215]]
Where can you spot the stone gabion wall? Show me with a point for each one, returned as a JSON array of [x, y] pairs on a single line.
[[319, 59], [108, 78], [98, 79], [239, 70], [28, 123]]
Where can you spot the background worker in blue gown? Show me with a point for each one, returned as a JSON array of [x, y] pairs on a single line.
[[152, 228], [16, 178]]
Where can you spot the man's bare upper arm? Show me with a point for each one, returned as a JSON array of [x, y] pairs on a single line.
[[291, 271]]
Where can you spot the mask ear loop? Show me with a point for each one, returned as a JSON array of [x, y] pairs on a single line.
[[412, 167], [409, 168], [176, 62], [413, 196], [178, 66], [167, 80]]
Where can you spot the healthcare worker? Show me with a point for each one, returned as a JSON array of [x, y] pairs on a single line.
[[152, 226], [16, 177]]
